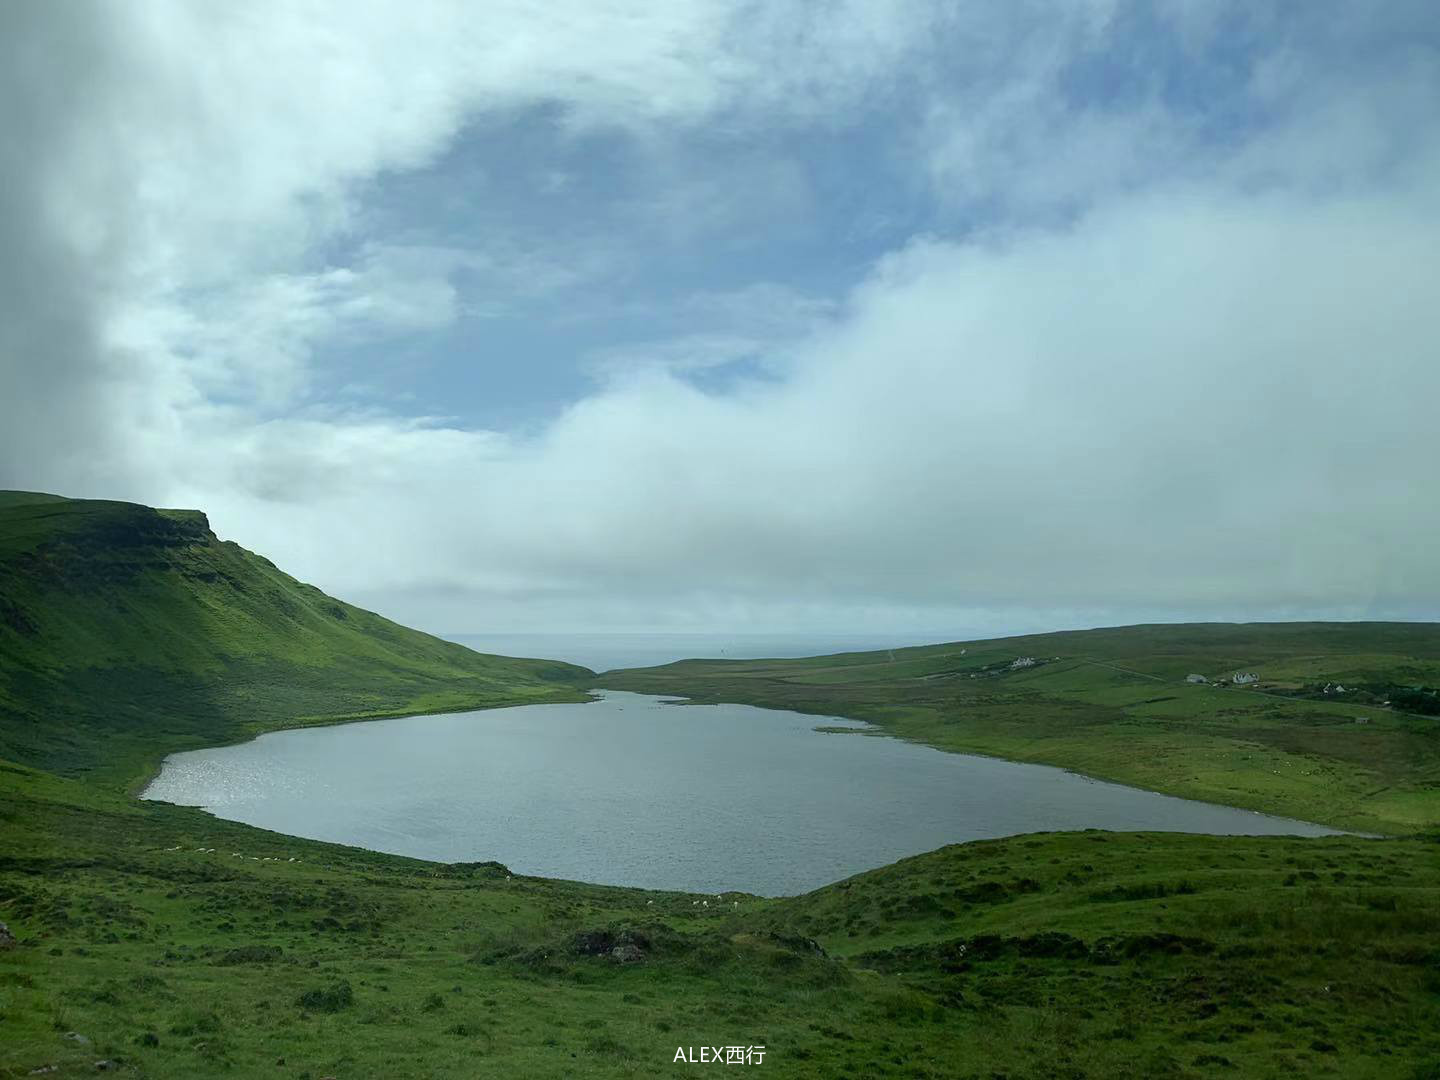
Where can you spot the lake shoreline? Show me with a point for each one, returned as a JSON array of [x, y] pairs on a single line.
[[1138, 721], [638, 836]]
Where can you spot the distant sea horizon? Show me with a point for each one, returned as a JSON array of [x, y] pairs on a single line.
[[609, 651]]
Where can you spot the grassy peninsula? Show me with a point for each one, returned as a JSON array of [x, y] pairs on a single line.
[[1316, 736], [149, 940]]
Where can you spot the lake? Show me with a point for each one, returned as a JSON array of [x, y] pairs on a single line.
[[641, 791]]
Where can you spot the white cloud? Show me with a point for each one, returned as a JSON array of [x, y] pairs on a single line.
[[1208, 392], [1213, 404], [165, 152], [760, 324], [195, 159]]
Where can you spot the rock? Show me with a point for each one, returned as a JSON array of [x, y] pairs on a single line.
[[106, 1065], [622, 946], [43, 1069], [592, 942], [75, 1037], [7, 939]]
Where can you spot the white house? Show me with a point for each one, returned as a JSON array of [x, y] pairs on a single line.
[[1022, 661], [1244, 678]]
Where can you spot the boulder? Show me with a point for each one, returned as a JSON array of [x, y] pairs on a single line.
[[624, 946], [626, 954]]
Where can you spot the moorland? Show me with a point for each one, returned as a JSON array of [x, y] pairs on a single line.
[[153, 940]]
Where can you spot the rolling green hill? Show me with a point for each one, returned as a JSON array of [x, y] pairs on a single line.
[[1115, 704], [128, 632]]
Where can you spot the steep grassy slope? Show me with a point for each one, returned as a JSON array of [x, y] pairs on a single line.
[[128, 632], [1114, 704]]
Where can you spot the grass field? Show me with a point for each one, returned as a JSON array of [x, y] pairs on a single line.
[[155, 941], [1063, 955], [1114, 704]]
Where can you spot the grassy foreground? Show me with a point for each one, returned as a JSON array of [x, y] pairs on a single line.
[[1115, 704], [175, 945], [150, 940]]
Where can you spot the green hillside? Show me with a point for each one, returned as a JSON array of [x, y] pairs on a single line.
[[1115, 704], [128, 632]]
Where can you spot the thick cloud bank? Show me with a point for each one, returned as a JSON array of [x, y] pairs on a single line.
[[1132, 367]]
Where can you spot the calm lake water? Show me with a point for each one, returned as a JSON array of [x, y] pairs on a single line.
[[631, 790]]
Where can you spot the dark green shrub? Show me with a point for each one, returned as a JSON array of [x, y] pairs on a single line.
[[327, 999]]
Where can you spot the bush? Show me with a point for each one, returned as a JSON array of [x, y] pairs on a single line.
[[250, 954], [1419, 700], [327, 999]]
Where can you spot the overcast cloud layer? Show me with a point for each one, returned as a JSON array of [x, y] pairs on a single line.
[[711, 315]]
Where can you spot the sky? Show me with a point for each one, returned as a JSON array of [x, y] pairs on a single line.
[[831, 317]]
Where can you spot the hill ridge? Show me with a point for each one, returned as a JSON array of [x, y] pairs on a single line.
[[140, 630]]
